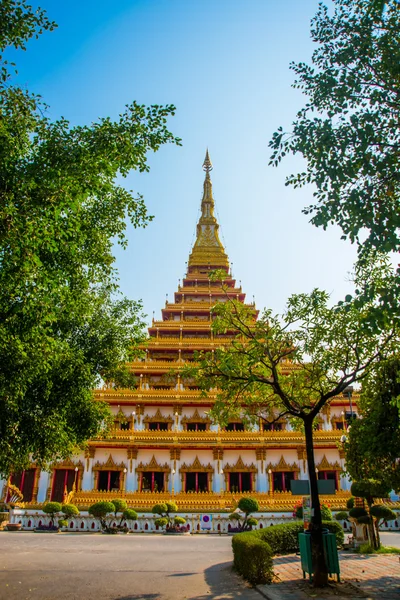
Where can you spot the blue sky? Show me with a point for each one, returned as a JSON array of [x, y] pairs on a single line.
[[225, 65]]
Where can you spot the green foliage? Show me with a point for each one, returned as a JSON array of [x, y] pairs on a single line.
[[119, 505], [234, 516], [171, 507], [369, 489], [129, 514], [364, 520], [342, 516], [69, 510], [101, 509], [52, 508], [252, 522], [63, 325], [159, 509], [382, 513], [373, 443], [161, 522], [368, 549], [326, 513], [252, 558], [348, 129], [63, 523], [357, 512], [179, 520], [248, 505], [350, 502]]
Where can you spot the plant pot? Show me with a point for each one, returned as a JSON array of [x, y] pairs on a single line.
[[13, 526]]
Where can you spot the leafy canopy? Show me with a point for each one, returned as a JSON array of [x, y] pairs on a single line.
[[63, 326], [373, 442], [348, 130]]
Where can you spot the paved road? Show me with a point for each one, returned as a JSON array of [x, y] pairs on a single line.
[[390, 538], [38, 566]]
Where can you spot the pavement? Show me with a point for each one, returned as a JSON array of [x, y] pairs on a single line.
[[43, 566]]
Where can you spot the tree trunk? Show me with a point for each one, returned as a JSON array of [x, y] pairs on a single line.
[[317, 544], [371, 528]]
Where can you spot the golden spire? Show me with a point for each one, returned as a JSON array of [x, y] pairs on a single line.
[[207, 249]]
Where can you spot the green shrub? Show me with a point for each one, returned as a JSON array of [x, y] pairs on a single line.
[[62, 523], [350, 503], [100, 510], [248, 505], [52, 508], [179, 521], [129, 514], [357, 512], [171, 507], [234, 517], [119, 505], [336, 528], [382, 513], [284, 538], [252, 522], [161, 522], [326, 513], [342, 515], [252, 558], [69, 510]]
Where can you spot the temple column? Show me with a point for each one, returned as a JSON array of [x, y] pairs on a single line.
[[178, 412], [87, 479], [261, 481], [218, 455], [344, 482], [131, 481], [43, 486]]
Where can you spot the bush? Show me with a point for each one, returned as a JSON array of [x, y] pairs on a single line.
[[336, 528], [342, 515], [119, 505], [62, 523], [52, 508], [357, 512], [326, 513], [69, 510], [179, 521], [382, 513], [248, 505], [252, 558], [234, 517], [161, 522], [100, 510], [252, 522], [350, 503], [129, 514]]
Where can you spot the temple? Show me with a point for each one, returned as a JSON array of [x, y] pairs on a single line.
[[164, 445]]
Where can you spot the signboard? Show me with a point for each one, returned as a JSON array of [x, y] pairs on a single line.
[[307, 511], [206, 522]]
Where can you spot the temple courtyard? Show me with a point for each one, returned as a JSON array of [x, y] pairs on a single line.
[[42, 566]]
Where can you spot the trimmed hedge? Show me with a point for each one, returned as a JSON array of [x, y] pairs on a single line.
[[253, 551], [252, 558]]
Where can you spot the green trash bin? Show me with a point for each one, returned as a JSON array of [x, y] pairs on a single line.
[[330, 551]]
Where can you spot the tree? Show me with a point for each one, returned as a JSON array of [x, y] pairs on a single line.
[[291, 366], [246, 506], [370, 490], [348, 131], [121, 508], [52, 509], [164, 510], [69, 510], [63, 328], [373, 442], [102, 511]]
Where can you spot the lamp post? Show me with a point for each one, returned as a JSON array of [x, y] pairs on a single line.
[[125, 472], [76, 475], [172, 482]]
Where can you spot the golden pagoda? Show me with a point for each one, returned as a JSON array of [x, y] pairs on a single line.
[[164, 444]]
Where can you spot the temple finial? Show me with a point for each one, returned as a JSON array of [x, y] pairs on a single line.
[[207, 164]]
